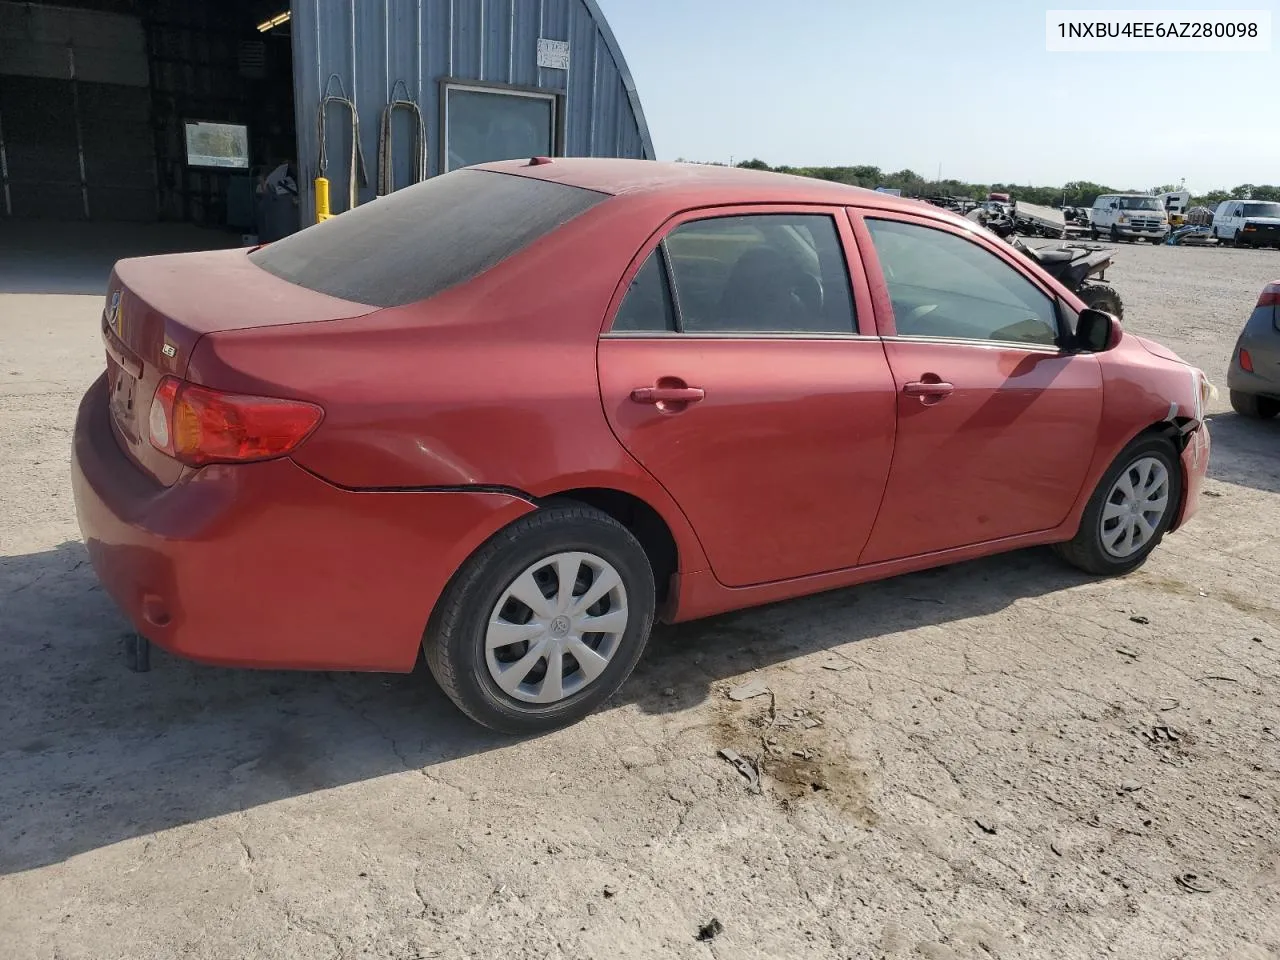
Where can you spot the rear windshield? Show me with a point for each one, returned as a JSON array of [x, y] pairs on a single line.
[[424, 239]]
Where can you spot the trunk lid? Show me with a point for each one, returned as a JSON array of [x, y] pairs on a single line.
[[158, 308]]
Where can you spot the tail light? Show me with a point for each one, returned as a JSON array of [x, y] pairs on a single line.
[[198, 425], [1246, 361], [1270, 296]]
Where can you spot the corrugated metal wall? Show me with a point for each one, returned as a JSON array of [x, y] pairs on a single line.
[[372, 44]]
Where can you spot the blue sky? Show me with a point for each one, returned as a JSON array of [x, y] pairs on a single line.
[[970, 86]]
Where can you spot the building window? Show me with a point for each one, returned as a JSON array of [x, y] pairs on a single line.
[[483, 124]]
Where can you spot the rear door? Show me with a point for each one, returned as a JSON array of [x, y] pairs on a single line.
[[996, 423], [741, 369]]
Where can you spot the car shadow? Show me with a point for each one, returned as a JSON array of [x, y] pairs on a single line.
[[1245, 452], [92, 754]]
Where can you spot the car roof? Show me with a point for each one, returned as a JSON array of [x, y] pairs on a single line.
[[621, 177]]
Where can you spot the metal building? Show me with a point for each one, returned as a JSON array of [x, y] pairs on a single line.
[[179, 109]]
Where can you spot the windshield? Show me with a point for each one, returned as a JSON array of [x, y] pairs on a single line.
[[1139, 203], [1262, 209]]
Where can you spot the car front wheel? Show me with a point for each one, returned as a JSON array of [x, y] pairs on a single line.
[[544, 622], [1131, 509]]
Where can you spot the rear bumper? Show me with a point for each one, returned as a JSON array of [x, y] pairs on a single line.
[[1241, 381], [265, 564]]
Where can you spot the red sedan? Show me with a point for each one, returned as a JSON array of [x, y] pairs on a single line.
[[514, 413]]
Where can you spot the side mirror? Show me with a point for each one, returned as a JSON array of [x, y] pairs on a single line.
[[1097, 331], [1115, 205]]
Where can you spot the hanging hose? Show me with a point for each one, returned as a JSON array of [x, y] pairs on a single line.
[[357, 168], [386, 158]]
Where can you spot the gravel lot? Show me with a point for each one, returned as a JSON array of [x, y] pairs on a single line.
[[1012, 761]]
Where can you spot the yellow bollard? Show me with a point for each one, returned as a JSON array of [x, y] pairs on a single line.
[[322, 199]]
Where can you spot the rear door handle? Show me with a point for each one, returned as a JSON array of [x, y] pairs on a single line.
[[667, 394], [927, 388]]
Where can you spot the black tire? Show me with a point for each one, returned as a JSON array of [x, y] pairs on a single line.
[[1093, 232], [1156, 240], [1115, 234], [1255, 407], [1085, 549], [454, 642], [1235, 241], [1099, 296]]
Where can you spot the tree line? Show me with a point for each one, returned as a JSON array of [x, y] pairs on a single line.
[[1077, 193]]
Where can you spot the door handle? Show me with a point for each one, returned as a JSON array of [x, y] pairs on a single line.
[[928, 388], [929, 391], [667, 394]]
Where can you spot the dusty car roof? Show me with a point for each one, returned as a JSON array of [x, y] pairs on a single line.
[[629, 177]]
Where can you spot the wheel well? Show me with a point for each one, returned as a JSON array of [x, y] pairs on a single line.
[[1174, 430], [644, 522]]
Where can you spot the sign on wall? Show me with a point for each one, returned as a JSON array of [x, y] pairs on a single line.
[[553, 54], [217, 145]]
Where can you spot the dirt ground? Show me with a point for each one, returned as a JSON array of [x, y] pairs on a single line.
[[1001, 759]]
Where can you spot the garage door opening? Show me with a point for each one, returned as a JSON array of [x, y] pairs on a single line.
[[144, 111]]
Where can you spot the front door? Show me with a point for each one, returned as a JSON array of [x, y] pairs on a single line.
[[996, 423], [735, 371]]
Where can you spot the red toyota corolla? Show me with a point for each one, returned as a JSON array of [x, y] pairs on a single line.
[[514, 413]]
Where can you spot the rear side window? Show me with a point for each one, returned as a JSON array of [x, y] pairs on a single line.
[[770, 273], [647, 307], [421, 240]]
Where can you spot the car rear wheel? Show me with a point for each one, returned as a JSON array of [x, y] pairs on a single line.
[[544, 622], [1249, 405], [1130, 511]]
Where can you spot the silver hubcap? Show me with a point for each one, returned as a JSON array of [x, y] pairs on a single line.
[[556, 627], [1134, 507]]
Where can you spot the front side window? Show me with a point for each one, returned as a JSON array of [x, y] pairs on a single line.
[[769, 273], [943, 286]]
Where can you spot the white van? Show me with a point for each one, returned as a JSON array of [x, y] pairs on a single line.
[[1129, 215], [1248, 223]]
